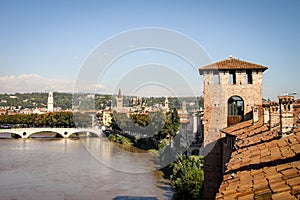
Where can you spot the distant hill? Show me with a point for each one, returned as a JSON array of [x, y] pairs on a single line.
[[64, 100], [33, 100]]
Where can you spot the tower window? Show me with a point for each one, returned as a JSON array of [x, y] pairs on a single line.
[[249, 79], [232, 77], [216, 77], [235, 106], [235, 110]]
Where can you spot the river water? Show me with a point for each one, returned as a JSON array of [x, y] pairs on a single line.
[[90, 168]]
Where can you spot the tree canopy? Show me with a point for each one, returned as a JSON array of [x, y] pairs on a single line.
[[57, 119], [171, 125], [187, 177]]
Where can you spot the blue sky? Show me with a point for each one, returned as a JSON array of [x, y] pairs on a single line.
[[49, 40]]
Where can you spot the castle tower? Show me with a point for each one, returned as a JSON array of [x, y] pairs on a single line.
[[231, 88], [119, 100], [50, 102]]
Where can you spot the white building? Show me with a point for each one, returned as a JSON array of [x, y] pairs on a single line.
[[50, 102]]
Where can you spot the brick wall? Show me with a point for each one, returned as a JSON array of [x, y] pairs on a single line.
[[296, 112], [215, 118], [274, 114], [216, 98], [286, 113], [266, 111]]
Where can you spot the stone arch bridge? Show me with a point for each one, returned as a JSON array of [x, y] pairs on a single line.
[[64, 132]]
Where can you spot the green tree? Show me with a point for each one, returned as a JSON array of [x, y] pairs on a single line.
[[141, 119], [175, 121], [171, 125], [187, 177]]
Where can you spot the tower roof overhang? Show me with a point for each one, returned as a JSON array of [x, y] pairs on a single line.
[[232, 64]]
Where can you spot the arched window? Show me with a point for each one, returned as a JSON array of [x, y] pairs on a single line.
[[235, 106], [235, 110]]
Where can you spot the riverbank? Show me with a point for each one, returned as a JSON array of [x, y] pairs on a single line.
[[136, 141], [120, 139]]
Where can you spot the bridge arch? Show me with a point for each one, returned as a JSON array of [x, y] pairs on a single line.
[[77, 132], [29, 135], [12, 133], [64, 132]]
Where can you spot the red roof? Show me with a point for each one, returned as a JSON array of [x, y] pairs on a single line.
[[264, 164], [232, 63], [274, 150], [275, 182]]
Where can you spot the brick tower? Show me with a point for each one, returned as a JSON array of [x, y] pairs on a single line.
[[231, 89]]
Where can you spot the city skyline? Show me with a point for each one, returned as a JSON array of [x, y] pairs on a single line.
[[44, 44]]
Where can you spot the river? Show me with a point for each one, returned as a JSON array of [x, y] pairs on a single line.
[[88, 168]]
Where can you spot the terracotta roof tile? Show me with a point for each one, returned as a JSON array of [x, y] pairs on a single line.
[[283, 195], [232, 63], [274, 178], [263, 166], [289, 173], [296, 148], [279, 186], [246, 197], [248, 139], [262, 153], [295, 190], [238, 126], [247, 134], [295, 181], [264, 193], [264, 183]]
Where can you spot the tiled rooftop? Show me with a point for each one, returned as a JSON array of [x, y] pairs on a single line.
[[276, 182], [264, 165], [253, 138], [245, 129], [238, 127], [232, 63], [266, 152]]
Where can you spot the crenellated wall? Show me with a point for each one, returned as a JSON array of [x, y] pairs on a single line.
[[266, 112], [283, 113], [255, 114], [274, 114], [286, 113]]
